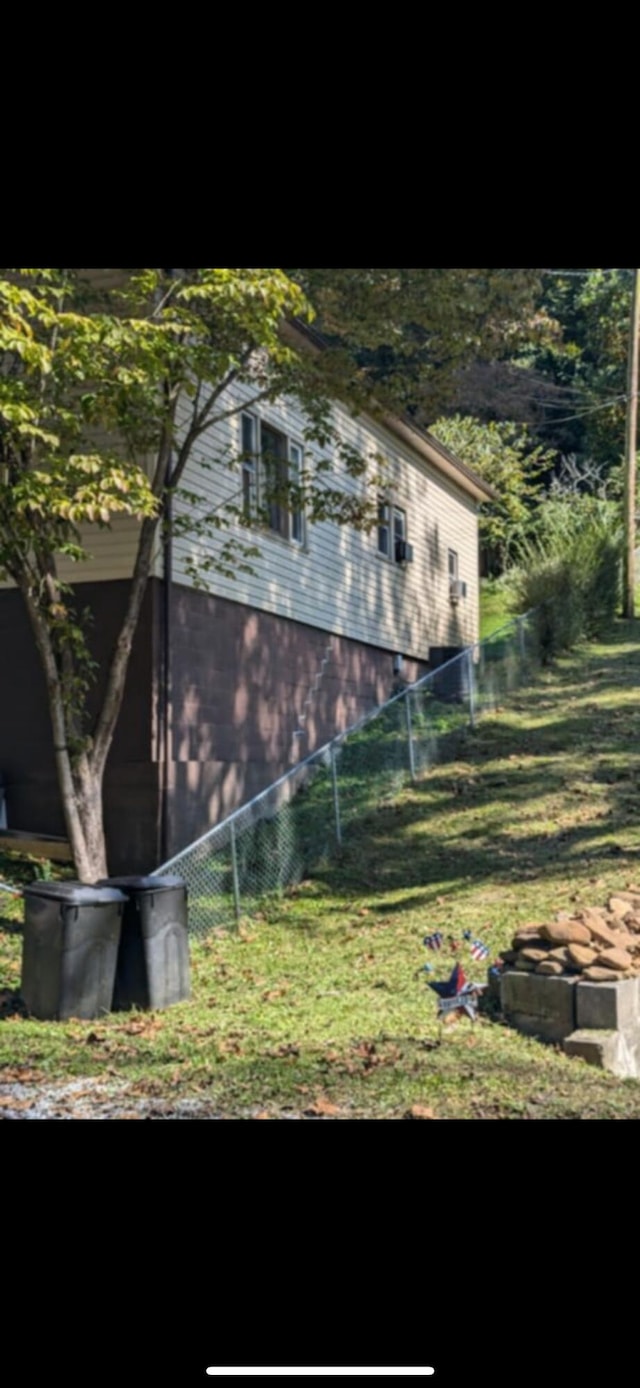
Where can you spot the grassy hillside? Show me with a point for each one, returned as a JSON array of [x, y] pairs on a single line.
[[319, 1005], [493, 607]]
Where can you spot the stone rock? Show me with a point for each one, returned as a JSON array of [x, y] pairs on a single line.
[[617, 906], [632, 921], [601, 932], [561, 953], [537, 955], [550, 966], [629, 895], [581, 955], [597, 974], [625, 940], [614, 959], [566, 933], [521, 941], [592, 915], [524, 964]]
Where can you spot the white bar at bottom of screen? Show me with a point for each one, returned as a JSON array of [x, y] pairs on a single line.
[[381, 1373]]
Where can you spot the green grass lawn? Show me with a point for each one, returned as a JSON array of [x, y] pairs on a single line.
[[320, 1002], [493, 607]]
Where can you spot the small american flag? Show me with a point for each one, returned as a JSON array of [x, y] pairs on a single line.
[[433, 941], [478, 950]]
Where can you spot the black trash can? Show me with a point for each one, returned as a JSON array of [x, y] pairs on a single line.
[[153, 958], [70, 949]]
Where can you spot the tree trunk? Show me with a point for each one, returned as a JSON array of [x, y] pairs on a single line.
[[81, 774], [80, 785], [90, 853]]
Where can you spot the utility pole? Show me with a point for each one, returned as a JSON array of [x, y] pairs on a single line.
[[628, 599]]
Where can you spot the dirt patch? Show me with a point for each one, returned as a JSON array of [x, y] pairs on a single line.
[[94, 1098]]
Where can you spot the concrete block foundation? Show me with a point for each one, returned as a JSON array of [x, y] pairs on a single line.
[[599, 1022]]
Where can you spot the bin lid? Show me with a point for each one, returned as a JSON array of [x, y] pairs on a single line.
[[144, 884], [74, 893]]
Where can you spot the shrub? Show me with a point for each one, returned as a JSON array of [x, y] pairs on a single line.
[[569, 571]]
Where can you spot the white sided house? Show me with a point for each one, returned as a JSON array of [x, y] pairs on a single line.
[[230, 686]]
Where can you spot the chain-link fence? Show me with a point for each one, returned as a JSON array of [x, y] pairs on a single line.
[[278, 837]]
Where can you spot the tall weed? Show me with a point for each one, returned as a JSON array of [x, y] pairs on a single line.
[[569, 570]]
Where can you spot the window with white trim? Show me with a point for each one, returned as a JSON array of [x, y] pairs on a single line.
[[249, 466], [271, 463], [453, 563], [392, 532]]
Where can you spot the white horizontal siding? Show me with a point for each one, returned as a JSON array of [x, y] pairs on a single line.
[[338, 581]]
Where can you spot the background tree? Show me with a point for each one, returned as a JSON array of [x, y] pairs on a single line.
[[505, 456], [565, 375], [407, 334]]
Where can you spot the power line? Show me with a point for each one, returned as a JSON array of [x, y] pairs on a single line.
[[579, 274], [615, 399]]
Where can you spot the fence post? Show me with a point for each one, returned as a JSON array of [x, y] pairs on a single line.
[[412, 758], [521, 638], [234, 870], [336, 801], [472, 692]]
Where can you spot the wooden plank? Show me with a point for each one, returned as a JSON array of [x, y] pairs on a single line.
[[56, 850]]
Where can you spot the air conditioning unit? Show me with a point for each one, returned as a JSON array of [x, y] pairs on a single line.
[[457, 589], [404, 552]]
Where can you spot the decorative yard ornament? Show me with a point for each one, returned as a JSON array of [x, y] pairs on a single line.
[[452, 986], [478, 950], [433, 941], [456, 994]]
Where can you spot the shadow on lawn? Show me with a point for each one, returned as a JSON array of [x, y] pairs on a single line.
[[589, 753]]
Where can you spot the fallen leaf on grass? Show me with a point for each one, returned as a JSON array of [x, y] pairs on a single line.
[[322, 1107], [7, 1102], [284, 1052], [262, 1114], [144, 1027], [19, 1074], [419, 1111]]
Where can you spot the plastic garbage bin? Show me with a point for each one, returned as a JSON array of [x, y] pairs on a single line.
[[153, 958], [70, 948]]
